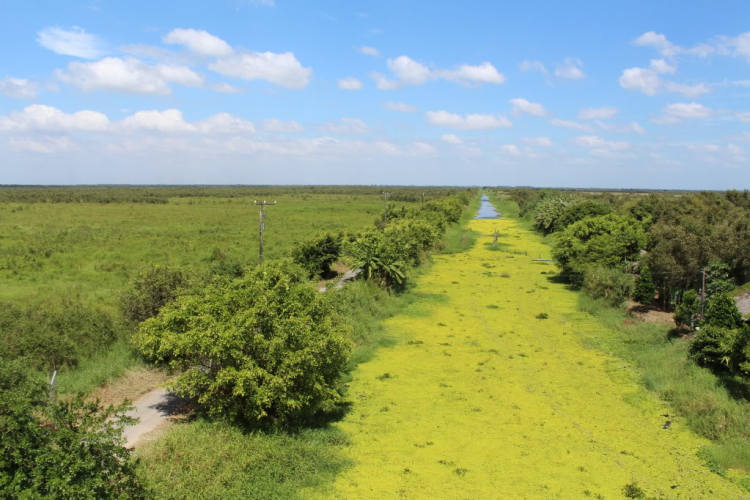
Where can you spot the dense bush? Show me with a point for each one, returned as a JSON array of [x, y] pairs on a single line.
[[610, 284], [150, 291], [379, 259], [549, 210], [722, 312], [717, 278], [70, 449], [688, 310], [609, 240], [580, 210], [50, 337], [316, 255], [645, 288], [712, 346], [264, 348]]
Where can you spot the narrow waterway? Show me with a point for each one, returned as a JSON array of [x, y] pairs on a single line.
[[487, 210]]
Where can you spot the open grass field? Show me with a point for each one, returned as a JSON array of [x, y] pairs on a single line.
[[483, 396], [54, 250]]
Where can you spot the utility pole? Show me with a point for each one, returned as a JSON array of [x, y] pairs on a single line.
[[703, 294], [263, 204], [385, 208]]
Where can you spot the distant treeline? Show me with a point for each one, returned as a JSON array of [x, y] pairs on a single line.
[[162, 194]]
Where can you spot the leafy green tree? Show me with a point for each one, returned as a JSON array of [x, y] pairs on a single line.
[[263, 348], [644, 288], [722, 312], [712, 346], [317, 254], [549, 210], [717, 278], [608, 240], [610, 284], [579, 211], [688, 309], [71, 449], [151, 290]]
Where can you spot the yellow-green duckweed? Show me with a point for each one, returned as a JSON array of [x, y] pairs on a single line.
[[483, 398]]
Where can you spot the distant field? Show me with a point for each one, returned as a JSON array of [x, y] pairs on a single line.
[[50, 248]]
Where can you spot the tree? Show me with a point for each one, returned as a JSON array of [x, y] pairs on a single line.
[[688, 309], [150, 290], [722, 312], [717, 278], [609, 284], [644, 288], [608, 240], [379, 259], [263, 348], [317, 254], [549, 210], [579, 211], [71, 449]]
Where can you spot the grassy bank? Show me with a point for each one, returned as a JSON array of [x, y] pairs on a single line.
[[713, 405]]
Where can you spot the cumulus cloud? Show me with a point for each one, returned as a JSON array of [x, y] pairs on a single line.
[[71, 42], [350, 83], [224, 123], [628, 128], [668, 49], [603, 113], [510, 149], [738, 46], [47, 118], [18, 88], [400, 106], [533, 66], [642, 80], [522, 106], [540, 142], [199, 42], [407, 71], [557, 122], [345, 126], [678, 112], [369, 51], [128, 76], [172, 121], [468, 75], [225, 88], [282, 69], [600, 147], [451, 139], [276, 125], [691, 91], [570, 69], [662, 66], [468, 122]]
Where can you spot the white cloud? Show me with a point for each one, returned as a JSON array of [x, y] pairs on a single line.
[[690, 110], [169, 120], [738, 46], [346, 126], [570, 69], [540, 142], [556, 122], [641, 80], [668, 49], [468, 122], [451, 139], [276, 125], [129, 76], [73, 42], [743, 116], [467, 74], [199, 42], [409, 71], [533, 66], [603, 113], [350, 83], [47, 118], [420, 148], [283, 69], [224, 123], [400, 106], [662, 66], [18, 88], [521, 106], [629, 128], [510, 149], [691, 91], [42, 145], [369, 51], [384, 83], [225, 88], [597, 144]]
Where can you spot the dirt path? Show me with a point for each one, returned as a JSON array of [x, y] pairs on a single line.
[[482, 397], [154, 410]]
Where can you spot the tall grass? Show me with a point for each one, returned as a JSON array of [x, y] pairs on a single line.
[[458, 237], [99, 369]]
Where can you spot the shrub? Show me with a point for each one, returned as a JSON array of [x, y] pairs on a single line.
[[317, 254], [579, 211], [712, 346], [70, 449], [148, 292], [264, 348], [717, 278], [379, 259], [549, 210], [722, 312], [610, 284], [645, 288], [688, 309]]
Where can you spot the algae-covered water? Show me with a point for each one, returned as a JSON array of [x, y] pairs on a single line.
[[482, 398]]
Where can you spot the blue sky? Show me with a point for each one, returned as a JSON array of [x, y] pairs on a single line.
[[570, 94]]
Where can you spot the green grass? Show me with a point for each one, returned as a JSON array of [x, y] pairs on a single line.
[[458, 237]]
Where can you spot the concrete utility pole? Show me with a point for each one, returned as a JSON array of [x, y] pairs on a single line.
[[703, 294], [263, 204], [385, 208]]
